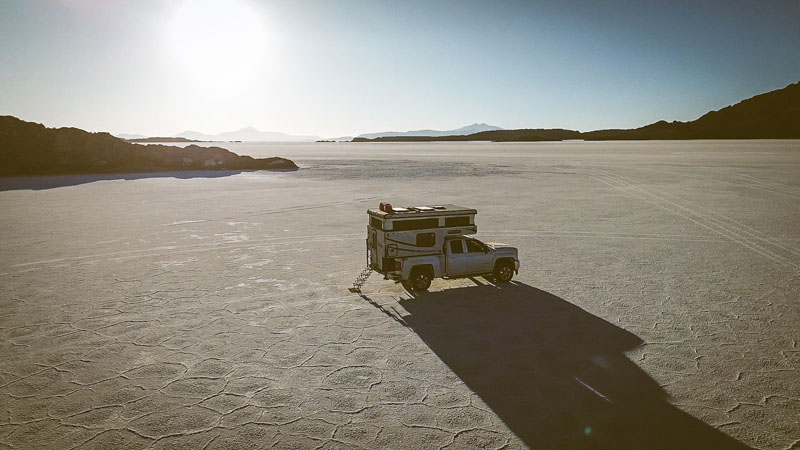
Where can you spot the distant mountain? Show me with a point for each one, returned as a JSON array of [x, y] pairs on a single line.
[[523, 135], [469, 129], [31, 149], [248, 134], [162, 139], [773, 115], [129, 136], [337, 139]]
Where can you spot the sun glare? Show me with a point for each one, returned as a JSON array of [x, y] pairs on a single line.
[[220, 45]]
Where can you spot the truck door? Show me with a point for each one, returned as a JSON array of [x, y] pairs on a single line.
[[457, 258], [480, 261]]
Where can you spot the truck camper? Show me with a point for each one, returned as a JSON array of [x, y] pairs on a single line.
[[412, 245]]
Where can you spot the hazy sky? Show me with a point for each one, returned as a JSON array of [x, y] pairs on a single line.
[[332, 68]]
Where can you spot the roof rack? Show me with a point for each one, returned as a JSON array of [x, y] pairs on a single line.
[[388, 211]]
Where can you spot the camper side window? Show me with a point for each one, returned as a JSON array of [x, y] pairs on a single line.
[[376, 223], [414, 224], [456, 221], [426, 239], [456, 246]]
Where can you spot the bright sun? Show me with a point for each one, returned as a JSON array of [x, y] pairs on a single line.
[[220, 44]]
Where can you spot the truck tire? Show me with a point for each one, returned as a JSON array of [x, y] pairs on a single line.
[[420, 280], [503, 272]]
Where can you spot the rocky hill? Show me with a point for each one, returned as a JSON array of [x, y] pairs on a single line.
[[28, 148]]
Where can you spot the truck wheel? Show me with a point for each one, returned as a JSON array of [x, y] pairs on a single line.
[[503, 272], [420, 280]]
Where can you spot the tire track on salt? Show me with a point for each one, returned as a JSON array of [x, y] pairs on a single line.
[[725, 220], [744, 185], [659, 201], [770, 184], [196, 247]]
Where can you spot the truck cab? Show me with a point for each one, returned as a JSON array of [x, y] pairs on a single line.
[[414, 245]]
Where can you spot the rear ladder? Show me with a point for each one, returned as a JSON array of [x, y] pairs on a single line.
[[361, 279]]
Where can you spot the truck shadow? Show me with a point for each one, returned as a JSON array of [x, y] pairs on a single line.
[[555, 374]]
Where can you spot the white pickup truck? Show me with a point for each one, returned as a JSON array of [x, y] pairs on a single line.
[[414, 245]]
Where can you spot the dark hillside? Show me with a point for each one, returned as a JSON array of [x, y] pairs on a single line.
[[28, 148], [522, 135], [774, 115]]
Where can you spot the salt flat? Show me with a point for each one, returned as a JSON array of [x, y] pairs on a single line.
[[656, 306]]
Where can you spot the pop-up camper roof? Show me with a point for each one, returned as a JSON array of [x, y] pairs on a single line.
[[410, 212]]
